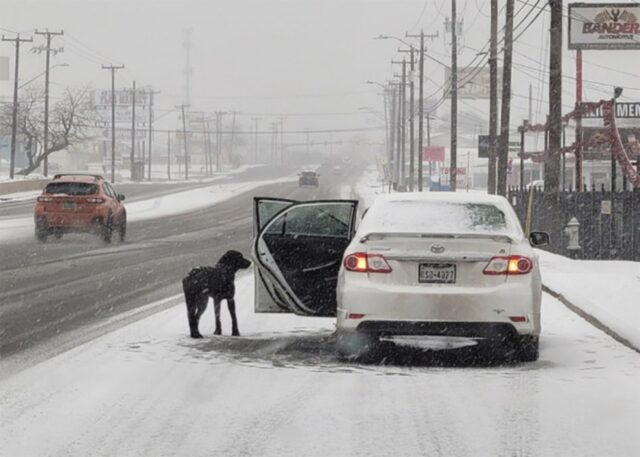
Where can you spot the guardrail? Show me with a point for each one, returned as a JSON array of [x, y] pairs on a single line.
[[9, 187]]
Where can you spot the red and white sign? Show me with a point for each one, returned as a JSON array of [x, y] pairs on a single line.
[[459, 171], [433, 153], [604, 26]]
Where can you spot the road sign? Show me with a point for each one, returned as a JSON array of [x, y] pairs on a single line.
[[483, 146]]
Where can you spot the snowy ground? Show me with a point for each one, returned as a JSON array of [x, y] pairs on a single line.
[[175, 203], [149, 390], [609, 291]]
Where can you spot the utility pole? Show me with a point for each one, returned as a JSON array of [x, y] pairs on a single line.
[[493, 98], [151, 93], [399, 108], [233, 134], [219, 118], [255, 139], [578, 150], [168, 154], [392, 133], [503, 141], [184, 138], [552, 159], [133, 131], [421, 113], [403, 124], [112, 69], [14, 123], [282, 139], [411, 113], [188, 45], [45, 144], [454, 99]]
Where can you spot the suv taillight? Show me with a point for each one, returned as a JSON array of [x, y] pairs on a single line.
[[95, 200], [361, 262], [44, 199], [508, 265]]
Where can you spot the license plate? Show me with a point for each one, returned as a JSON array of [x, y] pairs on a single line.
[[437, 273], [69, 205]]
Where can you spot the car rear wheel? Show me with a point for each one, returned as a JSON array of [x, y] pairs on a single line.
[[42, 231], [122, 229], [107, 229], [528, 348]]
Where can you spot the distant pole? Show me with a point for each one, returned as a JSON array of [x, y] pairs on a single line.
[[578, 150], [233, 134], [399, 108], [185, 142], [282, 139], [493, 98], [45, 143], [412, 144], [133, 130], [14, 123], [404, 123], [454, 99], [503, 140], [151, 94], [168, 154], [429, 144], [255, 139], [392, 133], [421, 114], [112, 69]]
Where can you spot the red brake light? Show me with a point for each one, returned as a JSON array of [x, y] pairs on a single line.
[[508, 265], [362, 262]]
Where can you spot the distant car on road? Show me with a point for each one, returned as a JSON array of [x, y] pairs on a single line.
[[420, 264], [337, 170], [79, 203], [308, 179]]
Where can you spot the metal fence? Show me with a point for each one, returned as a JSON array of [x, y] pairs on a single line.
[[609, 222]]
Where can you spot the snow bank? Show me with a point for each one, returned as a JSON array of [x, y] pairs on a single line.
[[609, 291]]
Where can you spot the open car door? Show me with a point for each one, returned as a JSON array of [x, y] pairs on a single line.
[[298, 254], [267, 298]]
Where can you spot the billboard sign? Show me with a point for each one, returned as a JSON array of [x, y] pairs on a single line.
[[433, 153], [624, 110], [473, 82], [604, 26]]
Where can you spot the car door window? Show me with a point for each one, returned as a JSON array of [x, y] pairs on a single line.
[[109, 190], [331, 221]]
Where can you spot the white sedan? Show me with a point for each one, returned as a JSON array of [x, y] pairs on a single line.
[[419, 264]]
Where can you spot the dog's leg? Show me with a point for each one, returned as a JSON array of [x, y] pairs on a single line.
[[216, 308], [231, 303], [193, 312]]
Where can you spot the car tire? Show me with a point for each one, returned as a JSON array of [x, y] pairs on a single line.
[[528, 348], [355, 346], [42, 231], [122, 229], [107, 229]]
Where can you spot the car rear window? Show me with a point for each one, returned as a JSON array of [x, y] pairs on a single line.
[[438, 218], [309, 174], [71, 188]]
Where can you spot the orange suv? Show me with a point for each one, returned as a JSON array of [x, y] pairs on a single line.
[[79, 203]]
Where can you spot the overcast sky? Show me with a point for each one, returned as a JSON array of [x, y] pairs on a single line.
[[297, 58]]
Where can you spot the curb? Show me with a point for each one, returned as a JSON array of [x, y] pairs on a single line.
[[590, 318]]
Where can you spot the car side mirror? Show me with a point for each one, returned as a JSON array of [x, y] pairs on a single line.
[[539, 238], [120, 197]]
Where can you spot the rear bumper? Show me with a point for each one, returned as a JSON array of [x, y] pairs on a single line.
[[69, 222], [430, 309]]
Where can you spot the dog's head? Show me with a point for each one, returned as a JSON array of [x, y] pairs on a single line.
[[234, 261]]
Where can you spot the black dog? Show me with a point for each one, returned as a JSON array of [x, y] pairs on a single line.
[[215, 282]]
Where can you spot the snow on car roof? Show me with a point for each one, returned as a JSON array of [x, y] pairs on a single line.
[[453, 197]]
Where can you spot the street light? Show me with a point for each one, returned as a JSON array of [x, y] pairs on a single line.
[[37, 76]]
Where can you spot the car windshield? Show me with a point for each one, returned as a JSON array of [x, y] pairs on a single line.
[[71, 188], [437, 218]]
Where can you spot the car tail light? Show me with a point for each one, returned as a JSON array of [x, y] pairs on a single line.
[[44, 199], [355, 316], [518, 318], [95, 200], [508, 265], [362, 262]]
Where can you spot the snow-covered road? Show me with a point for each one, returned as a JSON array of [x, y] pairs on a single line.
[[148, 390]]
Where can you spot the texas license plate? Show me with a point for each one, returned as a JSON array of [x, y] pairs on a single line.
[[437, 273]]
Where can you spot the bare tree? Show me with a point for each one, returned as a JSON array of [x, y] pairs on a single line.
[[71, 121]]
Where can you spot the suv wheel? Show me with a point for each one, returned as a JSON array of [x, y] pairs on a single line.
[[122, 229], [42, 231], [107, 229], [528, 348]]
